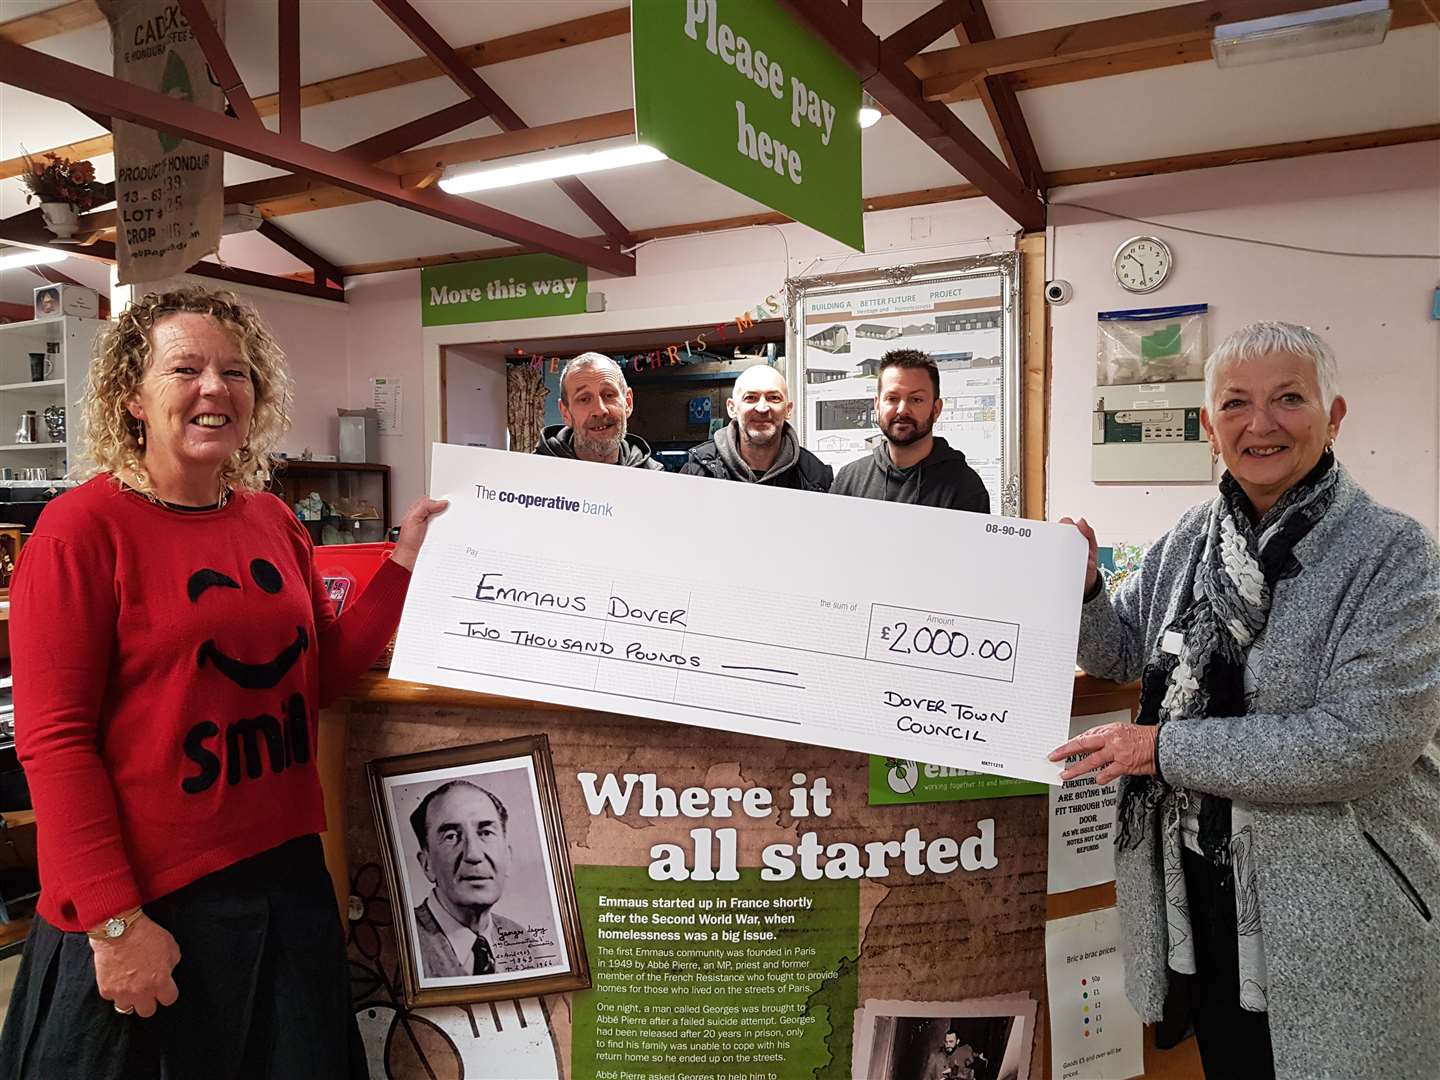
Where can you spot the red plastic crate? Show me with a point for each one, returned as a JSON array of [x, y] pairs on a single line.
[[348, 568]]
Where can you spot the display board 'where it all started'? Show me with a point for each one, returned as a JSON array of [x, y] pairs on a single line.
[[739, 91]]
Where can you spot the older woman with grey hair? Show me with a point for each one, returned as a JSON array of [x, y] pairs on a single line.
[[1277, 860]]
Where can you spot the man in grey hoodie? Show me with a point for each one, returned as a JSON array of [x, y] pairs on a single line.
[[596, 402], [911, 465], [759, 446]]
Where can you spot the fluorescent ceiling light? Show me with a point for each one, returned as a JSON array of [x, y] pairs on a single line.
[[548, 168], [1302, 33], [869, 111], [12, 258]]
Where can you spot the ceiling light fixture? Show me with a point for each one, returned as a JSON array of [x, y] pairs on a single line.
[[869, 111], [549, 168], [1301, 33], [13, 258], [239, 218]]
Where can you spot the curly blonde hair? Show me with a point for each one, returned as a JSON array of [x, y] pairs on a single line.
[[122, 356]]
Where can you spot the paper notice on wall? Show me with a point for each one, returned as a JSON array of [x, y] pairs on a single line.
[[169, 190], [1094, 1033], [385, 400], [1082, 822]]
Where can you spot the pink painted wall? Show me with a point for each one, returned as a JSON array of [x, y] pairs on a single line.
[[476, 410], [335, 349], [1374, 312], [382, 340], [312, 333]]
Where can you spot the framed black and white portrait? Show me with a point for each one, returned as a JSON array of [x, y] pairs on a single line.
[[479, 871]]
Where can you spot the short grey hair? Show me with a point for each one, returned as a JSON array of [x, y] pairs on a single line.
[[1267, 338], [590, 360]]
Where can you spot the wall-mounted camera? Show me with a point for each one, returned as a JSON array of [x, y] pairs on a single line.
[[1058, 292]]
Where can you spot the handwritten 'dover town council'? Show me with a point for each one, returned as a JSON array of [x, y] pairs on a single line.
[[916, 633]]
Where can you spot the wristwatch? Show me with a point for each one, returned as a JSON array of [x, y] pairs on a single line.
[[115, 926]]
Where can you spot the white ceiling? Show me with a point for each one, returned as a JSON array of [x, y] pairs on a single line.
[[1186, 109]]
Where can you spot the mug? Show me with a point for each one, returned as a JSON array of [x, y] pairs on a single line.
[[41, 367]]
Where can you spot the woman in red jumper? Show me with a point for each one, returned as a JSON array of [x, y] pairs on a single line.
[[172, 647]]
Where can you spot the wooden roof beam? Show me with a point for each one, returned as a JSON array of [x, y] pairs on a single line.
[[463, 75], [59, 79], [57, 20], [323, 269], [218, 57], [561, 35], [1405, 14], [288, 66], [929, 196], [413, 132], [892, 84], [1003, 106], [945, 70], [280, 196], [29, 228], [924, 30]]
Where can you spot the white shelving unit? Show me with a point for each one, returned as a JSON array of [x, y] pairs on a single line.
[[68, 342]]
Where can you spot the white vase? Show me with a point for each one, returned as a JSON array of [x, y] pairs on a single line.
[[60, 218]]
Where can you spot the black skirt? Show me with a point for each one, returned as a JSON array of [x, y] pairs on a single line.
[[262, 977]]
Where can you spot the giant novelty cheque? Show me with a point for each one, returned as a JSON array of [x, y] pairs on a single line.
[[889, 629]]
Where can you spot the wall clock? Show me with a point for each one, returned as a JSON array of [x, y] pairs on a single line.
[[1142, 264]]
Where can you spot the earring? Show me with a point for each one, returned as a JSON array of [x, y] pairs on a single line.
[[140, 438], [1330, 447], [1214, 454]]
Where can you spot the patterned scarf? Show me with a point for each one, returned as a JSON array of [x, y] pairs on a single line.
[[1230, 605], [1200, 672]]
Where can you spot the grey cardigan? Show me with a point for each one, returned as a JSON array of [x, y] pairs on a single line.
[[1339, 761]]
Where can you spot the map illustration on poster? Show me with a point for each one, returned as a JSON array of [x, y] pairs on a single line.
[[963, 314]]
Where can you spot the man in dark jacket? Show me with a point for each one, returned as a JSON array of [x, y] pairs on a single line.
[[759, 446], [596, 402], [911, 465]]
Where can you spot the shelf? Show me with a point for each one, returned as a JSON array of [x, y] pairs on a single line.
[[295, 465], [41, 385], [38, 324], [34, 446]]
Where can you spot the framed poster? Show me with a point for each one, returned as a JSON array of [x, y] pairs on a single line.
[[964, 313]]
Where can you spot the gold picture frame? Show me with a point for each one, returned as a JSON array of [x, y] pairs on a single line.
[[474, 852]]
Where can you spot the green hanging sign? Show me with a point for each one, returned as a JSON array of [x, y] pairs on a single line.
[[739, 91], [490, 290]]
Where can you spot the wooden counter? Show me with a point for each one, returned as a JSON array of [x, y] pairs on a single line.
[[1098, 695]]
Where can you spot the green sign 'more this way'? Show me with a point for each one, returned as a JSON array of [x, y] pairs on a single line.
[[488, 290], [739, 91]]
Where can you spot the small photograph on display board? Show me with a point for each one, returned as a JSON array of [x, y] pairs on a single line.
[[475, 852], [1082, 821], [978, 1039], [1094, 1033]]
